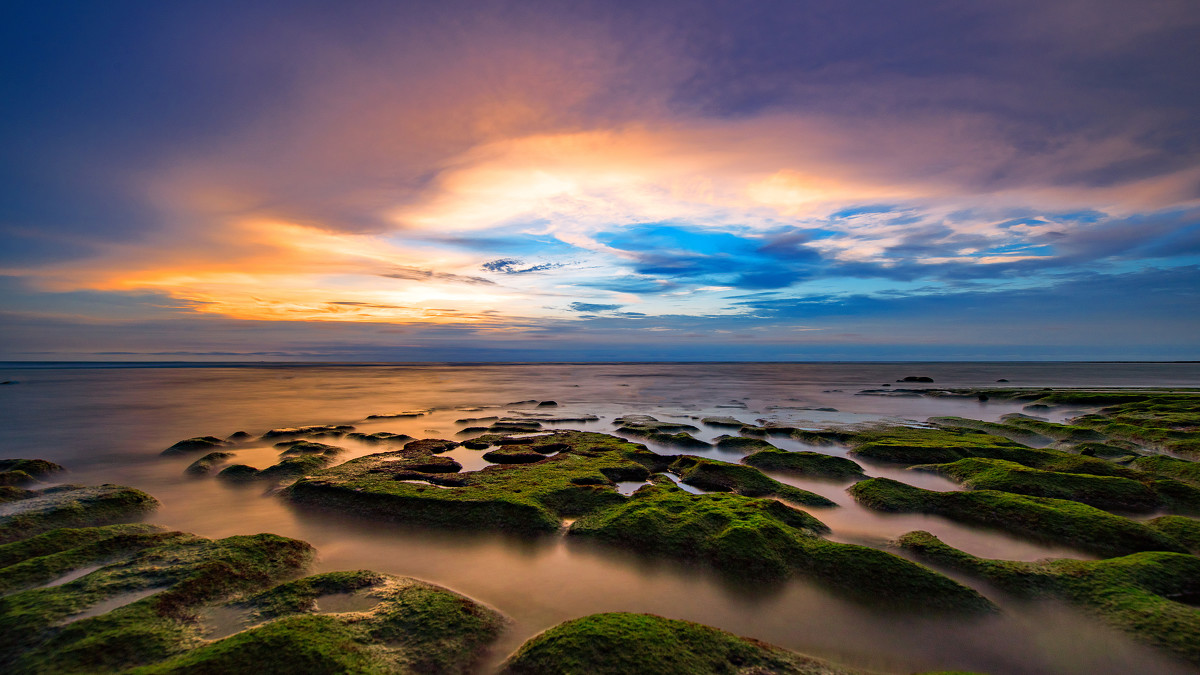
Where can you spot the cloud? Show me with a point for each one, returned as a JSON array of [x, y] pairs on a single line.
[[590, 308]]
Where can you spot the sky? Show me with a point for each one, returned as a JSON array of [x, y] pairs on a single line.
[[600, 181]]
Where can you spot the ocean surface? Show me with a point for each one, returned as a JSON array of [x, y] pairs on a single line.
[[110, 422]]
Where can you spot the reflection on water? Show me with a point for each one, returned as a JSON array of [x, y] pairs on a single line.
[[109, 425]]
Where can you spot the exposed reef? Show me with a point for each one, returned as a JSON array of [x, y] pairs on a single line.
[[1057, 520], [637, 644], [1151, 595], [804, 463], [31, 512]]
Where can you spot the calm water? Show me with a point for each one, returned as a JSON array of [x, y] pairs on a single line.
[[110, 424]]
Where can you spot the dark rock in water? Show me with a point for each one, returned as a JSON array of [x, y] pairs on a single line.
[[620, 644], [1002, 380], [1008, 417], [722, 422], [476, 445], [434, 464], [474, 430], [548, 404], [292, 448], [885, 385], [475, 420], [567, 420], [388, 416], [915, 378], [34, 468], [238, 436], [9, 382], [37, 511], [1037, 407], [804, 463], [513, 440], [301, 431], [207, 463], [983, 397], [14, 478], [523, 403], [430, 445], [195, 445], [378, 437], [237, 473], [742, 443]]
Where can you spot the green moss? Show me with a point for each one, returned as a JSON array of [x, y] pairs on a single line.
[[766, 539], [1143, 593], [526, 498], [1171, 467], [514, 454], [40, 559], [804, 463], [728, 422], [1184, 530], [1105, 492], [378, 437], [35, 468], [742, 443], [237, 473], [196, 444], [710, 474], [1067, 522], [632, 644], [207, 463], [299, 596], [189, 570], [72, 506], [1114, 450], [903, 445]]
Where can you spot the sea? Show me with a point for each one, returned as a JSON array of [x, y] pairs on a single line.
[[109, 423]]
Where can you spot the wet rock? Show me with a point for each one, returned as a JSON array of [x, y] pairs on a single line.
[[287, 432], [37, 511], [378, 437], [239, 436], [476, 420], [395, 415], [196, 444], [804, 463], [430, 446], [34, 468], [637, 644], [238, 473], [741, 443], [514, 455], [548, 404], [915, 378], [207, 463], [722, 422]]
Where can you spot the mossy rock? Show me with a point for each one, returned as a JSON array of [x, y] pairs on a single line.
[[767, 540], [804, 463], [519, 498], [904, 445], [308, 448], [197, 444], [207, 463], [1151, 595], [711, 474], [238, 473], [742, 443], [635, 644], [378, 437], [71, 506], [292, 432], [514, 455], [164, 577], [1055, 520], [37, 469], [1116, 450], [1171, 467], [1184, 530], [1105, 492], [722, 422], [412, 627], [647, 423]]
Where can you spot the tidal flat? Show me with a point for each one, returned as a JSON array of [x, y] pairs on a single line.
[[649, 517]]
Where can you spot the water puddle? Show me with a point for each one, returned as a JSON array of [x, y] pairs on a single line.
[[109, 604], [335, 603], [628, 487], [425, 482], [221, 622], [471, 460], [684, 486]]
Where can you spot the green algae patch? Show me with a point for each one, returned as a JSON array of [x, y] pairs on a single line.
[[207, 463], [904, 445], [1170, 467], [766, 539], [71, 506], [666, 433], [36, 469], [711, 474], [1067, 522], [1105, 492], [742, 443], [635, 644], [1151, 595], [197, 444], [1184, 530], [411, 627], [804, 463], [520, 498], [47, 556], [136, 609]]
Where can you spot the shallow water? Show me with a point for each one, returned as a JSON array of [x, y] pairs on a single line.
[[110, 424]]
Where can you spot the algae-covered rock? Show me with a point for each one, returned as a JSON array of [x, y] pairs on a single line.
[[636, 644], [741, 443], [1173, 467], [195, 445], [710, 474], [378, 437], [722, 422], [1066, 522], [1151, 595], [133, 608], [514, 455], [292, 432], [238, 473], [406, 626], [666, 433], [37, 469], [1184, 530], [207, 463], [71, 506], [1105, 492], [804, 463], [904, 445], [766, 539]]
